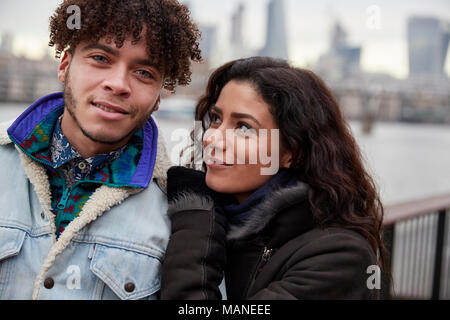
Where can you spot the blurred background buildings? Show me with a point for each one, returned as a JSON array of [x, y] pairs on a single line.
[[23, 79], [423, 96]]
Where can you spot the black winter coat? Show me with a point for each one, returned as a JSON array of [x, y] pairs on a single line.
[[279, 253]]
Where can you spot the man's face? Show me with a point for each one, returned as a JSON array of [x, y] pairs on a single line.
[[109, 92]]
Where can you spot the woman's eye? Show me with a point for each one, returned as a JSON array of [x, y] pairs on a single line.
[[215, 120], [244, 128]]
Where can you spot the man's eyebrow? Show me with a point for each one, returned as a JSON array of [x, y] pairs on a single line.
[[147, 62], [143, 62], [103, 48], [237, 115]]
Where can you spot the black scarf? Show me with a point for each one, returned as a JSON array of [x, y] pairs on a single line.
[[238, 213]]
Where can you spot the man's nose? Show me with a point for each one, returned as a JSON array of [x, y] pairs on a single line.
[[118, 82]]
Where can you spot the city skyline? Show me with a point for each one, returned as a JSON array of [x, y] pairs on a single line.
[[383, 41]]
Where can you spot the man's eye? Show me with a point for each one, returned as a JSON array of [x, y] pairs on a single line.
[[145, 74], [100, 59]]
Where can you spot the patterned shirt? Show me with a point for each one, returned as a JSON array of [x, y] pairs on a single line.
[[73, 166], [72, 184]]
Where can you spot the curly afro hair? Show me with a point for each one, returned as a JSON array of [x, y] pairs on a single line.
[[172, 38]]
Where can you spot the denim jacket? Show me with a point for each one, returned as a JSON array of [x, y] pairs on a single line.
[[112, 250]]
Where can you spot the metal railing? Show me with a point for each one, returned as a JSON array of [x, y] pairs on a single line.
[[417, 238]]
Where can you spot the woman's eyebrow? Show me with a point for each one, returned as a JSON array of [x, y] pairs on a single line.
[[245, 116], [216, 109], [237, 115]]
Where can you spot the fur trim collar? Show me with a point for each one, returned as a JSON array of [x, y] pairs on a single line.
[[260, 216], [264, 213], [4, 138]]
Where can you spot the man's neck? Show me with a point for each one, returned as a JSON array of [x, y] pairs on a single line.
[[85, 146]]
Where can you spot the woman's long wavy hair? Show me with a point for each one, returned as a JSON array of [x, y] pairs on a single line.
[[325, 154]]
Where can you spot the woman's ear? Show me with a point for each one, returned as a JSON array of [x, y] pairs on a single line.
[[64, 66], [286, 159]]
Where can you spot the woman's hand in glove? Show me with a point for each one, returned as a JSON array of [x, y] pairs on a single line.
[[182, 180], [196, 254]]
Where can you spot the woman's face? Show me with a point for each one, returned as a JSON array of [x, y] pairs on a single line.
[[242, 145]]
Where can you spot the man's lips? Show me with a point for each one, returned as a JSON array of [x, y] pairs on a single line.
[[108, 107]]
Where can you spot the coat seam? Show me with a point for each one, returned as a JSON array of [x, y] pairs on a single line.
[[208, 247]]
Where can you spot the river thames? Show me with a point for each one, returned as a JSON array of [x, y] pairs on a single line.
[[408, 161]]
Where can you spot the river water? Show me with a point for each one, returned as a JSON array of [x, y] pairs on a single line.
[[408, 161]]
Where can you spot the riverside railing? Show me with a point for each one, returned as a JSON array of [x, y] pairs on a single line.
[[417, 237]]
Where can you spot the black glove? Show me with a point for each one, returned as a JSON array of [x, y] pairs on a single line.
[[185, 180], [195, 257]]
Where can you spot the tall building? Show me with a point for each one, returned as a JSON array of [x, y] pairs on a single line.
[[428, 39], [349, 55], [276, 44], [342, 59], [208, 41], [238, 47], [6, 45], [236, 27]]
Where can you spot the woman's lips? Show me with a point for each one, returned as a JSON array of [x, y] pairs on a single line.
[[216, 164]]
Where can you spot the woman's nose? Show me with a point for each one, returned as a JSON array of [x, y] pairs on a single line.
[[214, 139]]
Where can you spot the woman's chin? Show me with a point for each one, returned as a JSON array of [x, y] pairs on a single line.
[[213, 185], [218, 185]]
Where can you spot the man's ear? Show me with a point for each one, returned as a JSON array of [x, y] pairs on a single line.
[[156, 108], [64, 66]]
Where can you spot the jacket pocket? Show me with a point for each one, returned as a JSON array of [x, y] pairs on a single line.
[[130, 275], [11, 240]]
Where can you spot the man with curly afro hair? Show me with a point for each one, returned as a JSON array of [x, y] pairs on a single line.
[[83, 211]]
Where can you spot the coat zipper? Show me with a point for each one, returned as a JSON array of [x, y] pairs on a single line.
[[266, 254], [265, 257], [63, 201]]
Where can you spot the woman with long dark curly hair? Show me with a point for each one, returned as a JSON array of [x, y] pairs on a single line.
[[284, 207]]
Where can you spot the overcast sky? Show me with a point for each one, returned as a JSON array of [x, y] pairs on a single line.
[[308, 24]]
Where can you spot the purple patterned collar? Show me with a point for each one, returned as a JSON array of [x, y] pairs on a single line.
[[22, 130]]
